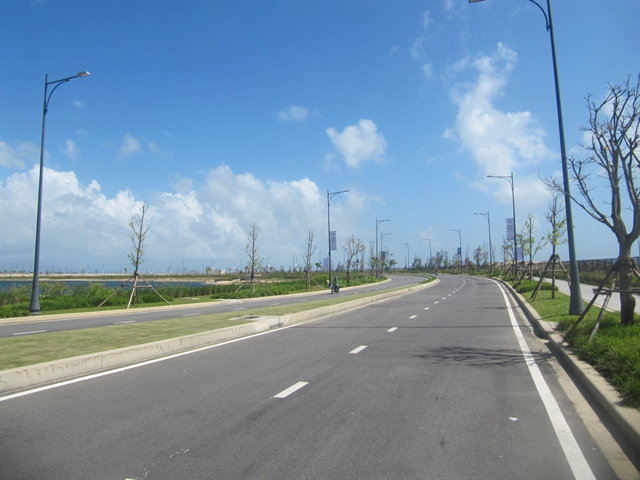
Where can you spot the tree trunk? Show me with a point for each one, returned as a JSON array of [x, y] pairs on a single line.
[[625, 274]]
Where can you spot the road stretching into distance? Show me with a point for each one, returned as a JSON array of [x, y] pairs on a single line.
[[448, 382], [74, 321]]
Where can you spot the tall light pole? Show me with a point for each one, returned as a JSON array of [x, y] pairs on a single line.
[[509, 178], [408, 261], [330, 195], [460, 239], [576, 306], [378, 222], [382, 235], [430, 255], [34, 306], [490, 247]]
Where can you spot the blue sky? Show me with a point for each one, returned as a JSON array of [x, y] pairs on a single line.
[[218, 114]]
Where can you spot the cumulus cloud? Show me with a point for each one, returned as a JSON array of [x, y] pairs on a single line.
[[18, 156], [499, 142], [195, 222], [130, 146], [294, 113], [359, 143]]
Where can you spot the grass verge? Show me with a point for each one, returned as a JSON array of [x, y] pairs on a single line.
[[614, 351], [46, 347]]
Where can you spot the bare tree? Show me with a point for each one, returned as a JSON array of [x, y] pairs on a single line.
[[612, 154], [253, 253], [138, 235], [352, 248], [478, 255], [558, 227], [530, 245], [309, 250]]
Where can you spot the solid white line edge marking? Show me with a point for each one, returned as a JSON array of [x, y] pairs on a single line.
[[142, 364], [290, 390], [572, 452], [29, 333]]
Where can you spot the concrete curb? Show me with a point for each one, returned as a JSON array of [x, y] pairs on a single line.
[[626, 419], [32, 376]]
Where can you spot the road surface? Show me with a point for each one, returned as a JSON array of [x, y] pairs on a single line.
[[445, 383], [26, 326]]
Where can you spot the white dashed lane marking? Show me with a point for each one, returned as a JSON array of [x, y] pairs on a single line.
[[358, 350], [392, 329], [290, 390]]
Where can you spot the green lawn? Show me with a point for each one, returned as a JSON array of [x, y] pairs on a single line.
[[614, 351], [32, 349]]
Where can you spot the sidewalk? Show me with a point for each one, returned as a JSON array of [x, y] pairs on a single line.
[[587, 295]]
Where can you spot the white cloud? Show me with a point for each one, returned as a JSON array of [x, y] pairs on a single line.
[[359, 143], [427, 69], [197, 222], [130, 146], [78, 104], [427, 21], [294, 113], [19, 156], [71, 150], [499, 142]]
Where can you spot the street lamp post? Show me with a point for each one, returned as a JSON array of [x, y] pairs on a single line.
[[460, 239], [34, 306], [382, 235], [378, 222], [509, 179], [430, 255], [330, 195], [576, 306], [490, 247], [408, 260]]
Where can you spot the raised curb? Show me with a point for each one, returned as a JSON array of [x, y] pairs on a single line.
[[40, 374], [626, 419]]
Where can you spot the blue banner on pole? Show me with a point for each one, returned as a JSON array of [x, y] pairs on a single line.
[[510, 229], [333, 243]]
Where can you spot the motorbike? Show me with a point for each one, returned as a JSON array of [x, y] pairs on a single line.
[[335, 287]]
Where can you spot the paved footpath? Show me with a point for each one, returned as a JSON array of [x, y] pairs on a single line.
[[587, 295]]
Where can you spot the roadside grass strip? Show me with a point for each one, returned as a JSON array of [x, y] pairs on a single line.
[[615, 350], [20, 351]]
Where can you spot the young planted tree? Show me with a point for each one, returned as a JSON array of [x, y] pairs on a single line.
[[352, 248], [138, 235], [555, 234], [478, 255], [309, 250], [254, 254], [611, 154], [530, 245]]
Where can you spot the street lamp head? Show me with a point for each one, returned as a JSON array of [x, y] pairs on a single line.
[[475, 1], [83, 74]]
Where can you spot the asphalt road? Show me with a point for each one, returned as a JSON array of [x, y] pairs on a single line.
[[26, 326], [444, 383]]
